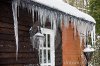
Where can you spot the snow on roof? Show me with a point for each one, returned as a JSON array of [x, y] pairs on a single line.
[[66, 8]]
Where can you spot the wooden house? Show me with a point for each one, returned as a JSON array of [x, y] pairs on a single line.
[[64, 27]]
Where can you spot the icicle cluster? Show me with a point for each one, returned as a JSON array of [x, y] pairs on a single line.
[[55, 17]]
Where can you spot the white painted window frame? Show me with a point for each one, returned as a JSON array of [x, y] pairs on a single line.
[[52, 47]]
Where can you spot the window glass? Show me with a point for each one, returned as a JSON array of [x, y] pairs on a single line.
[[48, 40], [45, 40], [44, 56], [49, 60], [40, 56]]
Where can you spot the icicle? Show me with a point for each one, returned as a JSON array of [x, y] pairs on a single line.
[[47, 14], [41, 16], [54, 20], [31, 37], [61, 20], [83, 25], [14, 9], [51, 19], [74, 27], [81, 32], [29, 7], [44, 18], [92, 36], [85, 33], [38, 14], [58, 20], [55, 16], [65, 21], [71, 19], [78, 27], [54, 25], [23, 5], [18, 2], [68, 18], [33, 14], [84, 30]]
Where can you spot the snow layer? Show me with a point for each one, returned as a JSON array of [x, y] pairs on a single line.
[[64, 7], [88, 49]]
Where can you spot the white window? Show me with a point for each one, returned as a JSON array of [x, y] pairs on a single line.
[[46, 50]]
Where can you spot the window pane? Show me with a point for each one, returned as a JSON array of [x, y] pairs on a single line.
[[49, 60], [44, 56], [40, 56], [45, 40], [48, 40]]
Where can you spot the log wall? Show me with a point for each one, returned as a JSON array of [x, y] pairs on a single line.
[[7, 39]]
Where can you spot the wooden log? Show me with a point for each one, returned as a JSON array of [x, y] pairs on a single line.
[[19, 61], [20, 55], [11, 26], [14, 50], [12, 37], [11, 32]]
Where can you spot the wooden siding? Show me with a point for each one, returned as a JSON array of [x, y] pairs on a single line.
[[7, 39], [72, 52]]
